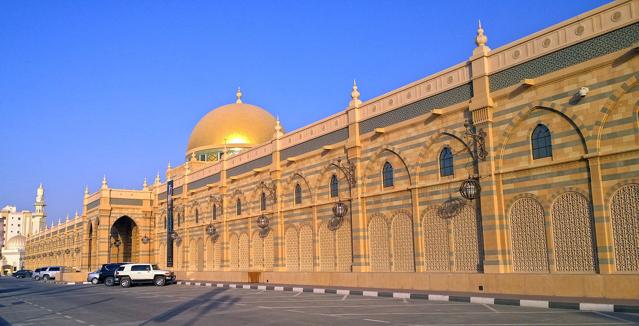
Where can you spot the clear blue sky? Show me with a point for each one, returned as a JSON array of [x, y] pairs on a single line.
[[114, 87]]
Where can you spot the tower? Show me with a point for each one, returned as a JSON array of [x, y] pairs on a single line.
[[38, 221]]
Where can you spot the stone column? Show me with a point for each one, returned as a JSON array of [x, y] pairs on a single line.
[[481, 108]]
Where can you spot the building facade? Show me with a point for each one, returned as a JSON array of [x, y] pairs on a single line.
[[15, 227], [515, 171]]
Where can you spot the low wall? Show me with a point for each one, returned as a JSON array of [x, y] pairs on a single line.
[[72, 277], [611, 286]]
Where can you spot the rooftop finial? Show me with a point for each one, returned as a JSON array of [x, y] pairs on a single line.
[[355, 101], [157, 179], [76, 214], [481, 39], [238, 94], [104, 182], [145, 186], [86, 190]]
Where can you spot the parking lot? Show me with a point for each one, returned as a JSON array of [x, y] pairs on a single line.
[[26, 302]]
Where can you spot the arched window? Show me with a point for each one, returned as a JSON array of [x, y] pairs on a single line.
[[541, 142], [197, 216], [179, 218], [298, 194], [263, 201], [446, 162], [334, 186], [387, 175], [238, 207], [214, 212]]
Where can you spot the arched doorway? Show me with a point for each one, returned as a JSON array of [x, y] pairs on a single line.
[[124, 241]]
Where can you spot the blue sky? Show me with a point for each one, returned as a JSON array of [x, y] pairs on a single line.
[[89, 88]]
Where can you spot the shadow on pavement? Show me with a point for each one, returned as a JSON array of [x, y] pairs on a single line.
[[206, 302]]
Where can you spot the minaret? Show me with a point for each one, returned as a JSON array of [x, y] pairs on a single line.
[[38, 220]]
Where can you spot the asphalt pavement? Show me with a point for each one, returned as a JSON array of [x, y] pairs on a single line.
[[27, 302]]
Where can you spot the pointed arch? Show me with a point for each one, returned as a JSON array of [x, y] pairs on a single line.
[[378, 243]]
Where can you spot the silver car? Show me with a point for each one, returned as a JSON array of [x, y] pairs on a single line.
[[50, 273], [94, 277], [36, 273]]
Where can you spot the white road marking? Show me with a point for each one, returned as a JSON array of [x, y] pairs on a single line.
[[613, 317], [80, 321], [490, 308], [344, 297], [67, 316], [377, 321], [298, 293]]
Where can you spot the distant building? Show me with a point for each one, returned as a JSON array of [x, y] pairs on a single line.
[[16, 226]]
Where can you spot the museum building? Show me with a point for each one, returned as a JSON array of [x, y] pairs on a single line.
[[514, 171]]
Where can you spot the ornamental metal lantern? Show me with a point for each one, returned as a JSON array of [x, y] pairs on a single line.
[[339, 211], [146, 239], [211, 230], [117, 242], [67, 251], [470, 188], [175, 236], [263, 223]]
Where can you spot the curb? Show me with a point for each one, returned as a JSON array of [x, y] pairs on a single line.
[[582, 306]]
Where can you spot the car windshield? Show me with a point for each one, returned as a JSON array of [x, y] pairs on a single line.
[[156, 268]]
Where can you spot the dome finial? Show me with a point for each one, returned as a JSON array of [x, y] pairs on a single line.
[[355, 101], [481, 39], [145, 186], [104, 182], [157, 179], [238, 94]]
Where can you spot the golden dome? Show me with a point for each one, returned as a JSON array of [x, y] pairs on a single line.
[[236, 125]]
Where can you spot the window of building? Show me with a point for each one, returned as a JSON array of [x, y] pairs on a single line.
[[334, 186], [179, 218], [387, 175], [238, 207], [214, 211], [541, 142], [298, 194], [446, 162], [263, 201], [197, 216]]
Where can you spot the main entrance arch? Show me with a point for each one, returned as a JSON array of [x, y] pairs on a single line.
[[124, 240]]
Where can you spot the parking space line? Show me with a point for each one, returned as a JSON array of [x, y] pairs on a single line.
[[344, 297], [377, 320], [490, 308], [298, 293], [625, 321]]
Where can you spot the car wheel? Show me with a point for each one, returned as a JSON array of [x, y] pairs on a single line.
[[46, 278], [37, 278], [125, 282], [94, 281], [159, 281], [109, 281]]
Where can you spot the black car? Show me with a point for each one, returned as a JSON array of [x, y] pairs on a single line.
[[23, 273], [107, 273]]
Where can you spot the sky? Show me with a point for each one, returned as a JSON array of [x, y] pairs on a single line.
[[93, 88]]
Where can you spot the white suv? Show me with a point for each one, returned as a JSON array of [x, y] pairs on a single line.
[[143, 273]]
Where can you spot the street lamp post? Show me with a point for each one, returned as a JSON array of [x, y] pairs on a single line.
[[146, 240], [475, 143]]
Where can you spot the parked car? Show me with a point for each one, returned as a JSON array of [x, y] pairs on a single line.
[[23, 273], [130, 274], [107, 273], [93, 277], [36, 273], [50, 273]]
